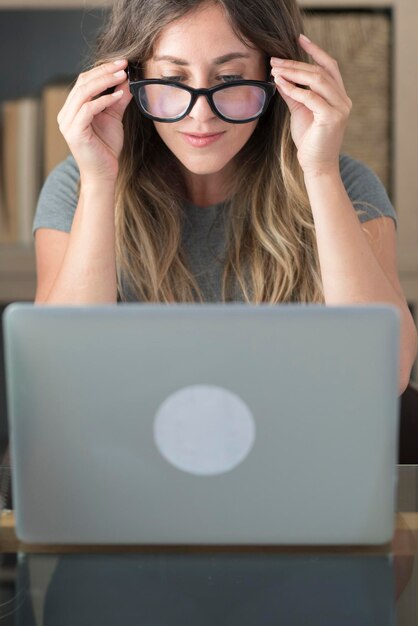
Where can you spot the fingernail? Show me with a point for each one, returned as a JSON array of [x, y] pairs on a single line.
[[276, 61], [119, 74], [117, 94], [305, 38], [280, 79], [119, 61]]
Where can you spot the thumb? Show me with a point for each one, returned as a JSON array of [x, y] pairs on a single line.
[[121, 103], [292, 104]]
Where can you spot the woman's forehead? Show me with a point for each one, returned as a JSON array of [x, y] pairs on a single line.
[[202, 33]]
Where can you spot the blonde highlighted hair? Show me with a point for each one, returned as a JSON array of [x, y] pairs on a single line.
[[271, 253]]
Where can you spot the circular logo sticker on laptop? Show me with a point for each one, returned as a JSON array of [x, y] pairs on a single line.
[[204, 430]]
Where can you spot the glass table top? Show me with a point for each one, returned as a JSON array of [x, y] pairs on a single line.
[[203, 587]]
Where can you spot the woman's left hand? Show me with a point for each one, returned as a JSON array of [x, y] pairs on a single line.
[[319, 114]]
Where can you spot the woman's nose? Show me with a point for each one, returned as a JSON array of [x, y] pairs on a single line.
[[201, 110]]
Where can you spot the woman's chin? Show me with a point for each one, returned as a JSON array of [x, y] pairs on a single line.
[[203, 166]]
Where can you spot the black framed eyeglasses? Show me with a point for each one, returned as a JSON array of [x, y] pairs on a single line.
[[237, 102]]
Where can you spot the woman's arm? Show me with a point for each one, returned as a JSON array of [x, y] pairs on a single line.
[[358, 264], [80, 267]]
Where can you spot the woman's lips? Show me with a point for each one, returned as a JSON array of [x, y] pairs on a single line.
[[203, 140]]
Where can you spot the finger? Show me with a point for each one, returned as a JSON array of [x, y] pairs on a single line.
[[308, 98], [318, 81], [278, 63], [117, 109], [105, 69], [102, 70], [292, 104], [87, 91], [322, 58], [82, 122]]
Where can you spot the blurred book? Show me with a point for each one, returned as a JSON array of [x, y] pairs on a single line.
[[29, 165], [9, 160], [21, 168], [56, 149], [3, 216]]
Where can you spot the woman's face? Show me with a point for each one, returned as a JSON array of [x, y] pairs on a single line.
[[202, 50]]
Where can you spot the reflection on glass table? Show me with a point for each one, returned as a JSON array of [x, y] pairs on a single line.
[[203, 590], [342, 587]]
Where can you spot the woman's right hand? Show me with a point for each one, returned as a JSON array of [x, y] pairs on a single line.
[[91, 125]]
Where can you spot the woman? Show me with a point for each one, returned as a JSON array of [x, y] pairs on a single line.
[[236, 193]]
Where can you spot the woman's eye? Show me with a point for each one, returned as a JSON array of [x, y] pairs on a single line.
[[176, 79], [226, 78]]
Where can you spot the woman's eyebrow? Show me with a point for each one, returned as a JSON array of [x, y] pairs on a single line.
[[218, 61]]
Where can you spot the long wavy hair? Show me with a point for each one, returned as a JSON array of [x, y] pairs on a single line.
[[271, 254]]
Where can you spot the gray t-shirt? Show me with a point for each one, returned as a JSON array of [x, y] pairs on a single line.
[[204, 228]]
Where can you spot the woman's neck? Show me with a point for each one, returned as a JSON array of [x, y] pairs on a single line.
[[205, 190]]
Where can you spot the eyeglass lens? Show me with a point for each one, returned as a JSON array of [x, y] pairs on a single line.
[[237, 102]]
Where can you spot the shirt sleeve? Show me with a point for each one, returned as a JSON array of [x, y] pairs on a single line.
[[365, 190], [58, 198]]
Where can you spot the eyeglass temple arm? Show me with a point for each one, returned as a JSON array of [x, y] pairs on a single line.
[[134, 72]]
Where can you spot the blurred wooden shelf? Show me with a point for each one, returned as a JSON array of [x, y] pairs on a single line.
[[17, 272]]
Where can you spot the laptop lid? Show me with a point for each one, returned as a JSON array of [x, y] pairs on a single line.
[[203, 424]]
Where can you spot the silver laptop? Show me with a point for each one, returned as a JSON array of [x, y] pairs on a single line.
[[203, 424]]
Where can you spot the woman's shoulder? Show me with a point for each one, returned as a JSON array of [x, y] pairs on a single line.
[[66, 169], [355, 171], [65, 177], [365, 189], [59, 197]]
